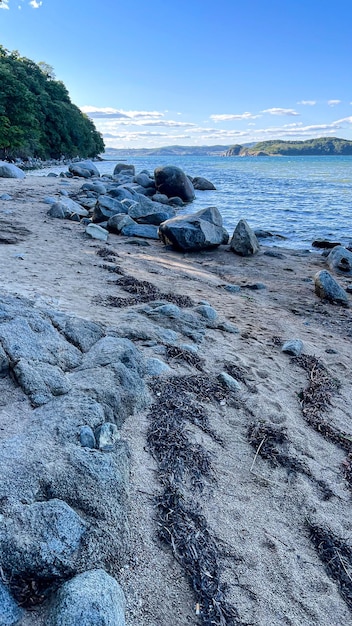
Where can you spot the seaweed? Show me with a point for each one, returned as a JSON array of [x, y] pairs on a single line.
[[336, 555], [271, 443], [107, 254], [141, 291], [181, 354]]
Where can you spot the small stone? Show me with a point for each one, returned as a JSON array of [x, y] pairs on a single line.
[[229, 382], [293, 347], [97, 232], [86, 437], [5, 196], [106, 436], [156, 367], [254, 286], [207, 311], [232, 288]]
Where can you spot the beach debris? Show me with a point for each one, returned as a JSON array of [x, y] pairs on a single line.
[[182, 354], [244, 242], [327, 288]]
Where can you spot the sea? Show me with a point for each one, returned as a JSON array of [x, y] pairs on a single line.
[[300, 198]]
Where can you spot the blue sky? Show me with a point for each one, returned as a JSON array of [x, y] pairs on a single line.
[[195, 72]]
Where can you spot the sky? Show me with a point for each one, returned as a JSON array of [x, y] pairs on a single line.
[[194, 72]]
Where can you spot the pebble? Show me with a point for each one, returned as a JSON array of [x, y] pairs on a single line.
[[106, 436], [87, 438], [232, 288], [207, 311], [293, 347], [230, 382], [5, 196]]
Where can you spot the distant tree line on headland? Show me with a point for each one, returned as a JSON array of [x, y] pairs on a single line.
[[37, 117], [311, 147]]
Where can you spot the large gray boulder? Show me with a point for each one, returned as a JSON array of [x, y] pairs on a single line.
[[125, 169], [195, 231], [41, 539], [90, 599], [86, 169], [327, 288], [340, 260], [244, 242], [8, 170], [106, 207], [172, 181]]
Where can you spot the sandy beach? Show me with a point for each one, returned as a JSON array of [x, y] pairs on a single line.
[[279, 475]]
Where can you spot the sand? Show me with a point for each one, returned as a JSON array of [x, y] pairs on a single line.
[[260, 512]]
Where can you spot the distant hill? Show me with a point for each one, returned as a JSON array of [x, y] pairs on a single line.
[[324, 146], [114, 153]]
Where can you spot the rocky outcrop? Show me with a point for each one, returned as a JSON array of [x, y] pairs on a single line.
[[202, 184], [244, 241], [196, 231], [85, 169], [172, 181], [8, 170]]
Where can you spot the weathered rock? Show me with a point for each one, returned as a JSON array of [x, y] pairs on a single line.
[[340, 261], [148, 231], [87, 438], [41, 539], [59, 210], [95, 186], [293, 347], [120, 192], [106, 436], [8, 170], [82, 333], [229, 382], [207, 311], [86, 169], [156, 367], [90, 599], [171, 316], [148, 212], [160, 197], [124, 168], [118, 222], [325, 244], [5, 196], [40, 381], [106, 207], [327, 288], [172, 181], [244, 241], [202, 184], [10, 612], [97, 232], [176, 201], [195, 231], [144, 180]]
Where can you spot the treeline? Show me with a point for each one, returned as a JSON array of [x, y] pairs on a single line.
[[310, 147], [37, 117]]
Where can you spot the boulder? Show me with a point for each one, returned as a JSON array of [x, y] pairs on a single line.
[[106, 207], [124, 168], [86, 169], [8, 170], [202, 184], [145, 211], [90, 599], [340, 261], [147, 231], [160, 197], [10, 612], [327, 288], [144, 180], [172, 181], [41, 539], [195, 231], [96, 187], [244, 242], [117, 222]]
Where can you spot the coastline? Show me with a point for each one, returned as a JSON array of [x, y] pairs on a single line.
[[256, 509]]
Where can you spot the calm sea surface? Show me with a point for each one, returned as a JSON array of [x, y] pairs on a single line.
[[302, 198]]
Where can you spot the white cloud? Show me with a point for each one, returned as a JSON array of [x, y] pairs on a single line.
[[101, 112], [224, 117], [310, 103], [4, 4], [279, 111], [333, 103], [35, 5]]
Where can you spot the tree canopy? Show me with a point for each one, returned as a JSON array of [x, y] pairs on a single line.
[[323, 146], [37, 117]]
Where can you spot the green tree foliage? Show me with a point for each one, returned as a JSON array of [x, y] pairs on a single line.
[[37, 117], [324, 146]]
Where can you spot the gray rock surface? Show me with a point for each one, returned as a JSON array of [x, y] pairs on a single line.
[[194, 231], [8, 170], [90, 599], [87, 437], [148, 212], [148, 231], [10, 612], [327, 288], [340, 261], [123, 168], [229, 382], [244, 242], [86, 169], [97, 232], [172, 181], [106, 207], [106, 436], [202, 184], [118, 222]]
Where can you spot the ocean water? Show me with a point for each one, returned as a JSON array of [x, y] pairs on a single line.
[[300, 198]]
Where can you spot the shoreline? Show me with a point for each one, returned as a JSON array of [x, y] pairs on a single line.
[[257, 508]]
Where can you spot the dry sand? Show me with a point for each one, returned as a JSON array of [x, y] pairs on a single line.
[[258, 511]]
